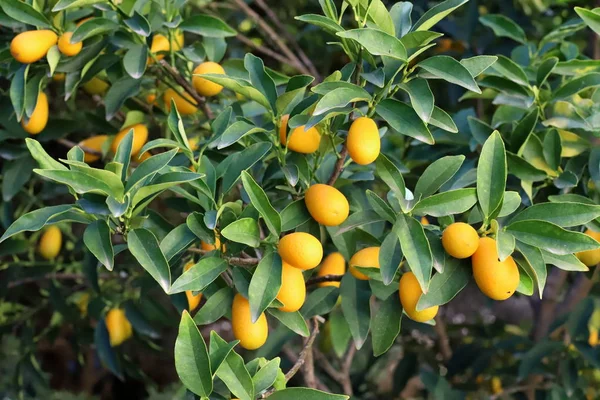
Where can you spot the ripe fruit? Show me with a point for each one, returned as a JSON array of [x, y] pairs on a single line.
[[203, 86], [497, 280], [185, 104], [50, 242], [593, 338], [333, 264], [410, 292], [193, 301], [94, 143], [326, 204], [424, 221], [363, 141], [140, 135], [367, 258], [39, 118], [178, 41], [496, 385], [210, 247], [66, 47], [29, 47], [300, 141], [82, 303], [151, 99], [590, 257], [119, 328], [251, 335], [460, 240], [159, 43], [95, 86], [301, 250], [59, 77], [293, 288]]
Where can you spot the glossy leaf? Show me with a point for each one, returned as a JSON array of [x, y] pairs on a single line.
[[404, 119], [415, 248], [385, 324], [376, 42], [261, 202], [436, 174], [97, 239], [265, 284], [491, 174], [444, 287], [199, 275], [449, 69], [551, 237], [355, 296], [191, 358], [504, 27], [144, 246], [447, 203]]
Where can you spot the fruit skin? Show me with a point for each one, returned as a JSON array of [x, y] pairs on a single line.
[[363, 141], [39, 118], [300, 141], [368, 257], [94, 143], [460, 240], [95, 86], [496, 385], [326, 204], [119, 327], [159, 43], [151, 99], [66, 47], [593, 338], [50, 243], [301, 250], [333, 264], [59, 77], [292, 292], [497, 280], [185, 107], [210, 247], [203, 86], [31, 46], [140, 136], [424, 221], [193, 301], [251, 335], [410, 292], [590, 257]]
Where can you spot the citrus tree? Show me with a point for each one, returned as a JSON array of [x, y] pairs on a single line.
[[228, 191]]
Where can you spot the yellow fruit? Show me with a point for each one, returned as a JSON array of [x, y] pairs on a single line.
[[496, 385], [178, 41], [59, 77], [160, 43], [39, 118], [326, 204], [300, 141], [251, 335], [82, 21], [210, 247], [82, 303], [66, 47], [363, 141], [293, 288], [460, 240], [424, 221], [301, 250], [410, 292], [95, 86], [333, 264], [497, 280], [31, 46], [590, 257], [140, 136], [50, 242], [193, 300], [367, 258], [194, 143], [151, 99], [119, 328], [94, 143], [593, 339], [185, 104], [203, 86]]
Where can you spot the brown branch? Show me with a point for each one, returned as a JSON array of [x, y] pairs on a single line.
[[326, 366], [339, 166], [70, 144], [443, 341], [237, 261], [346, 365], [325, 278], [265, 50]]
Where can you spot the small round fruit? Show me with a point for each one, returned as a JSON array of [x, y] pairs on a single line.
[[593, 338], [496, 385], [590, 257], [151, 99], [59, 77], [119, 328], [203, 86], [93, 143], [95, 86], [300, 140], [366, 258], [363, 141], [210, 247], [185, 104], [39, 118], [301, 250], [31, 46], [140, 136], [326, 204], [460, 240], [410, 292], [497, 280], [424, 221], [50, 243], [251, 335], [292, 292], [333, 264], [66, 47], [193, 300], [160, 43]]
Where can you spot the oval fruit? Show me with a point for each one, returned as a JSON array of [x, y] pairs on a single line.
[[410, 292], [39, 118], [333, 264], [95, 86], [193, 300], [496, 385], [185, 104], [363, 141], [50, 243], [160, 43], [140, 136], [251, 335], [593, 338], [93, 143], [326, 204], [210, 247], [590, 257], [497, 280], [59, 77], [119, 328], [301, 250], [31, 46], [203, 86], [292, 292], [367, 258], [460, 240], [66, 47], [300, 140]]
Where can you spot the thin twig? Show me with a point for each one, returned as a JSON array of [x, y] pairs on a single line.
[[339, 166], [325, 278], [188, 88], [346, 365], [265, 50], [70, 144], [444, 342], [237, 261]]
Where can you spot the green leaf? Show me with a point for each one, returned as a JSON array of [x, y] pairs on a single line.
[[65, 4], [39, 154], [442, 120], [341, 97], [191, 358], [218, 351], [16, 173], [208, 26], [18, 91], [436, 174], [293, 320], [244, 231], [236, 377], [355, 296], [35, 220], [576, 85], [385, 324], [551, 237], [567, 262], [135, 60], [545, 69], [504, 27], [447, 203], [444, 287], [534, 265], [260, 79], [403, 119], [240, 161], [380, 207], [511, 70], [106, 353], [320, 21], [265, 284], [235, 132], [376, 42], [491, 174], [562, 214], [215, 307], [176, 241], [260, 201], [120, 91], [82, 182], [23, 12], [294, 215], [93, 27], [97, 239], [123, 154], [523, 129], [415, 248], [148, 168], [200, 275], [478, 64], [400, 13], [391, 175], [240, 86], [450, 70], [320, 301], [390, 256], [505, 243], [144, 246], [305, 394], [358, 219], [590, 17], [421, 97], [379, 15], [436, 14], [534, 356], [265, 377]]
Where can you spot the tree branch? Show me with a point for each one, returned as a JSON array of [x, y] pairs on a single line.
[[547, 307], [265, 50], [188, 88], [237, 261], [325, 278], [444, 342], [339, 166], [70, 144]]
